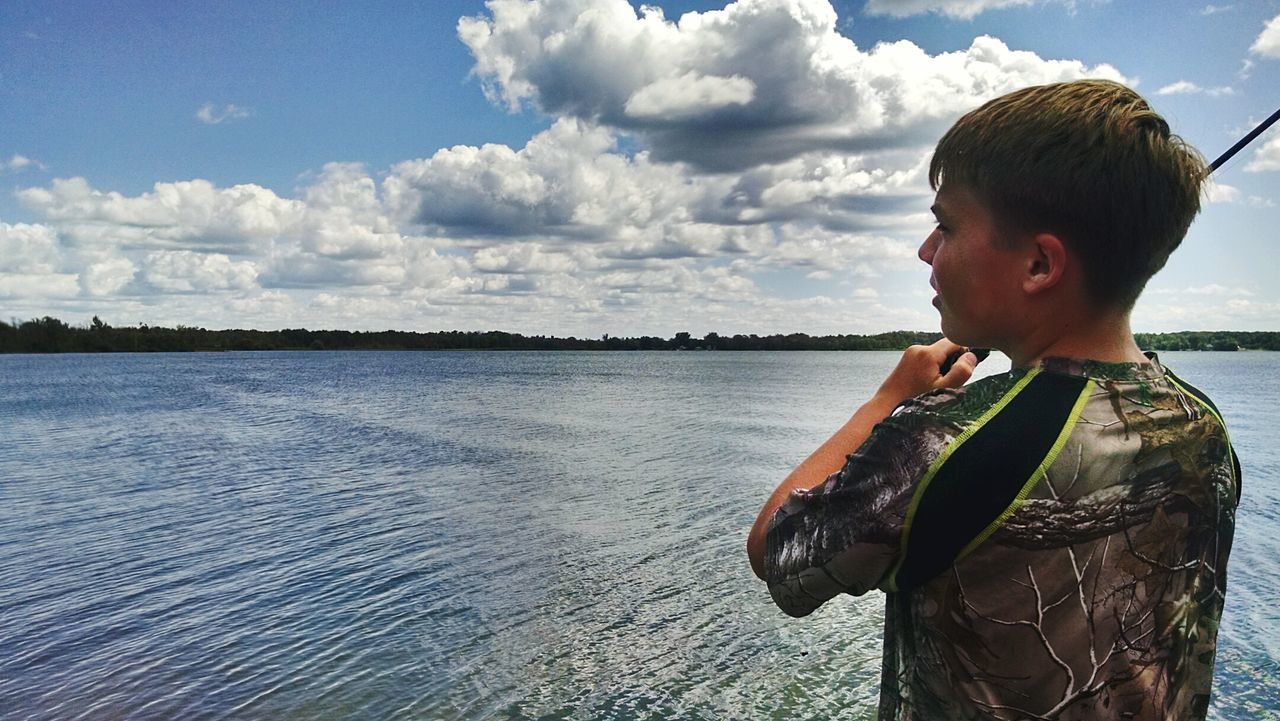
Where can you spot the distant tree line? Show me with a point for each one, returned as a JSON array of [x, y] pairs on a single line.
[[1210, 340], [50, 335]]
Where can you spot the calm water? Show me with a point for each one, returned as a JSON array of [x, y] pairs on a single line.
[[466, 536]]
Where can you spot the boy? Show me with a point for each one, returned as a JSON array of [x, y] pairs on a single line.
[[1053, 541]]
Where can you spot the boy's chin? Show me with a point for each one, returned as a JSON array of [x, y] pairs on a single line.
[[954, 333]]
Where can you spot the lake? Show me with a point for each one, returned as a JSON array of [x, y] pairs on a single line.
[[399, 535]]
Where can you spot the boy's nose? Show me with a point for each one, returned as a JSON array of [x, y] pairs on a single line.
[[928, 248]]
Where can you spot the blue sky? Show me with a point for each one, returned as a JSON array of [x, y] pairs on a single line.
[[571, 166]]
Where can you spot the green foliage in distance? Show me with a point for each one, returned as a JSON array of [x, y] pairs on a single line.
[[51, 335]]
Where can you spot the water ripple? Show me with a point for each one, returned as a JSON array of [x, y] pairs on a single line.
[[462, 536]]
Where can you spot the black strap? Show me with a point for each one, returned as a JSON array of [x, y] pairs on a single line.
[[984, 475]]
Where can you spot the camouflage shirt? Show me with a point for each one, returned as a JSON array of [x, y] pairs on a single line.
[[1053, 543]]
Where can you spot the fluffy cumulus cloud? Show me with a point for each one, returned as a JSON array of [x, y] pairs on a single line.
[[1267, 157], [184, 214], [28, 248], [688, 96], [343, 217], [563, 177], [588, 205], [31, 263], [185, 271], [1268, 42], [194, 237], [855, 255], [567, 183], [37, 286], [525, 257], [759, 81], [106, 277], [555, 237]]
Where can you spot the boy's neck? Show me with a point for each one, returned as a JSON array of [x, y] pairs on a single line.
[[1107, 338]]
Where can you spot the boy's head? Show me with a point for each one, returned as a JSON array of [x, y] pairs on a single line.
[[1088, 161]]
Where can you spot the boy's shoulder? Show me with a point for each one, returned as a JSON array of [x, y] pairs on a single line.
[[961, 406]]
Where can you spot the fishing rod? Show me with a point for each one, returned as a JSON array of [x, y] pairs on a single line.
[[982, 353], [1262, 128]]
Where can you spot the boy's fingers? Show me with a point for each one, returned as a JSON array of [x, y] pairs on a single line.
[[944, 365], [960, 371], [945, 348]]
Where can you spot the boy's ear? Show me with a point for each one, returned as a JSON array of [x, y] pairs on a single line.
[[1046, 263]]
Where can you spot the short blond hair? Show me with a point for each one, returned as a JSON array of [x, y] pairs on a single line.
[[1089, 161]]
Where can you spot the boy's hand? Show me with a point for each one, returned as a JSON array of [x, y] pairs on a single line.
[[920, 371]]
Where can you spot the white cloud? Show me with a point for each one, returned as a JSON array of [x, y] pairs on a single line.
[[845, 192], [1266, 157], [802, 246], [210, 114], [522, 257], [491, 189], [1221, 193], [27, 286], [36, 251], [1268, 42], [18, 163], [565, 182], [190, 214], [108, 276], [962, 9], [344, 218], [28, 248], [811, 88], [567, 190], [687, 96], [193, 237], [1215, 9], [271, 304], [1186, 87], [351, 307], [429, 273], [184, 271]]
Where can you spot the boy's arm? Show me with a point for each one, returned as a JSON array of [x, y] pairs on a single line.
[[917, 372]]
